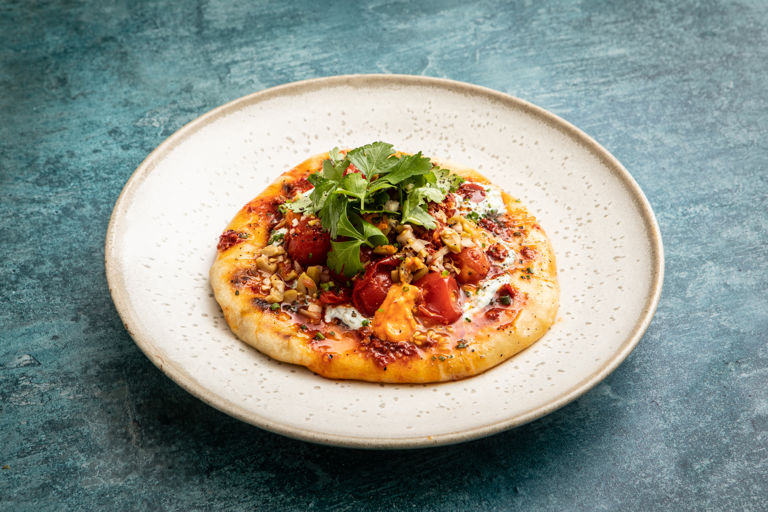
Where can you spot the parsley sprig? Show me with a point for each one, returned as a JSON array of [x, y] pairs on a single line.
[[341, 201]]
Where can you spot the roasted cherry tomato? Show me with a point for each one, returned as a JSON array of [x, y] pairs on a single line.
[[441, 299], [338, 296], [472, 263], [472, 191], [371, 290], [308, 244]]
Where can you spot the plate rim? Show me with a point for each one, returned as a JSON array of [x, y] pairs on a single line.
[[180, 376]]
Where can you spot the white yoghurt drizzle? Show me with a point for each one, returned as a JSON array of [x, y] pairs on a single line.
[[485, 294], [492, 203], [348, 315]]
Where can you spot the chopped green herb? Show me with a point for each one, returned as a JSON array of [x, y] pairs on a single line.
[[242, 235], [275, 306], [467, 319], [462, 344], [319, 336], [441, 357], [473, 216], [365, 322], [237, 292], [303, 327], [445, 273], [467, 293], [276, 237], [506, 300], [529, 270], [332, 333]]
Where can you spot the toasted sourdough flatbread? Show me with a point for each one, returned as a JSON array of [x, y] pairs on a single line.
[[491, 330]]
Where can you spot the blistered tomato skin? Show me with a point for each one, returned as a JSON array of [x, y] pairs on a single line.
[[440, 299], [370, 291], [333, 297], [308, 244], [473, 265]]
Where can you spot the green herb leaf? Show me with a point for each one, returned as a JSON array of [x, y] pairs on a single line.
[[430, 194], [335, 155], [373, 158], [354, 185], [408, 166], [334, 170], [344, 257], [415, 214], [373, 235], [333, 217], [322, 191]]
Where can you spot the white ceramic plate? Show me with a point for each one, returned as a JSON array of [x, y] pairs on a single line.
[[164, 228]]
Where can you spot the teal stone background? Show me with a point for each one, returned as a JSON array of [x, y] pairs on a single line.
[[676, 90]]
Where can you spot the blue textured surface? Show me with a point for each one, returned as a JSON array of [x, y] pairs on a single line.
[[676, 90]]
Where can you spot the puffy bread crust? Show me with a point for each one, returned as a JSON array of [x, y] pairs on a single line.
[[278, 336]]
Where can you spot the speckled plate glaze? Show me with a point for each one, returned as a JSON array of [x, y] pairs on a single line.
[[164, 228]]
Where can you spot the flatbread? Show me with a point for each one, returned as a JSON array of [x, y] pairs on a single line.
[[508, 310]]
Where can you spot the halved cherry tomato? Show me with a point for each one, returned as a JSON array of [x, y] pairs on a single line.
[[472, 263], [441, 299], [370, 291], [472, 191], [308, 244]]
